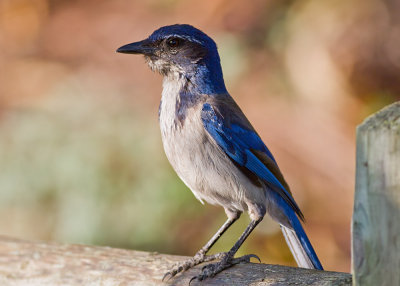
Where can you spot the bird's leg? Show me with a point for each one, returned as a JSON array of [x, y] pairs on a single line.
[[200, 256], [227, 258]]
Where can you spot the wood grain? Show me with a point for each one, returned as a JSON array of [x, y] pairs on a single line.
[[39, 263], [376, 218]]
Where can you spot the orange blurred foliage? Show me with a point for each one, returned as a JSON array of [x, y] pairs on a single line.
[[305, 72]]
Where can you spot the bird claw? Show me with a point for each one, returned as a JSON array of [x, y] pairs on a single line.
[[246, 258], [212, 269], [185, 265], [191, 280], [175, 270], [166, 275], [208, 270]]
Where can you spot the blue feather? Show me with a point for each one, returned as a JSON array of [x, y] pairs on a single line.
[[298, 228], [237, 142]]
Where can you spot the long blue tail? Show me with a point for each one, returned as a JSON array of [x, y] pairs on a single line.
[[299, 243]]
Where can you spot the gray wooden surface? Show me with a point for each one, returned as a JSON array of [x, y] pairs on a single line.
[[376, 218], [38, 263]]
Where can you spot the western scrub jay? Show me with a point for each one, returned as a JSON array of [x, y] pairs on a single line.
[[213, 147]]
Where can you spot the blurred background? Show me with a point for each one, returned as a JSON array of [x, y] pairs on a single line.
[[81, 158]]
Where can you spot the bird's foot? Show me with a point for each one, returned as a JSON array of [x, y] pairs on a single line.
[[227, 260], [195, 260]]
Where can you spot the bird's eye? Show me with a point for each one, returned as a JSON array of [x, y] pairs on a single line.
[[174, 42]]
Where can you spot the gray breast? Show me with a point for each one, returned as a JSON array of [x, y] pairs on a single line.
[[196, 158]]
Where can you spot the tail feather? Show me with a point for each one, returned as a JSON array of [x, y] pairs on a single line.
[[297, 250], [301, 247], [295, 236]]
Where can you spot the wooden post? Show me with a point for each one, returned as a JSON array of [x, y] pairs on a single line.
[[376, 218], [38, 263]]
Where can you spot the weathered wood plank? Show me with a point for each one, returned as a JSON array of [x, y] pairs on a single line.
[[39, 263], [376, 218]]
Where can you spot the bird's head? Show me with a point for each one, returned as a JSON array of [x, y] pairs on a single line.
[[176, 49]]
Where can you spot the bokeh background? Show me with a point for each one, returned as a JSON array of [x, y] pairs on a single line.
[[81, 159]]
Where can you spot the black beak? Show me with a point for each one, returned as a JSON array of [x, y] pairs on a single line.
[[142, 47]]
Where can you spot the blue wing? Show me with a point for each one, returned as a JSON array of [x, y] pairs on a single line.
[[233, 133]]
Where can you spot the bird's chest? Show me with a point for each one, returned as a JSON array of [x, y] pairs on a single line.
[[194, 155], [197, 160], [183, 140], [183, 135]]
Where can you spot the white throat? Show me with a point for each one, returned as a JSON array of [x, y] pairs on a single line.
[[172, 85]]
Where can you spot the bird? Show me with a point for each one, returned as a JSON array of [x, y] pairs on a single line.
[[214, 149]]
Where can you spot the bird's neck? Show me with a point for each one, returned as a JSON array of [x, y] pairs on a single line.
[[206, 77], [184, 90]]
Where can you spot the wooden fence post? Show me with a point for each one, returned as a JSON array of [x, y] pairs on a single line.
[[376, 218]]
